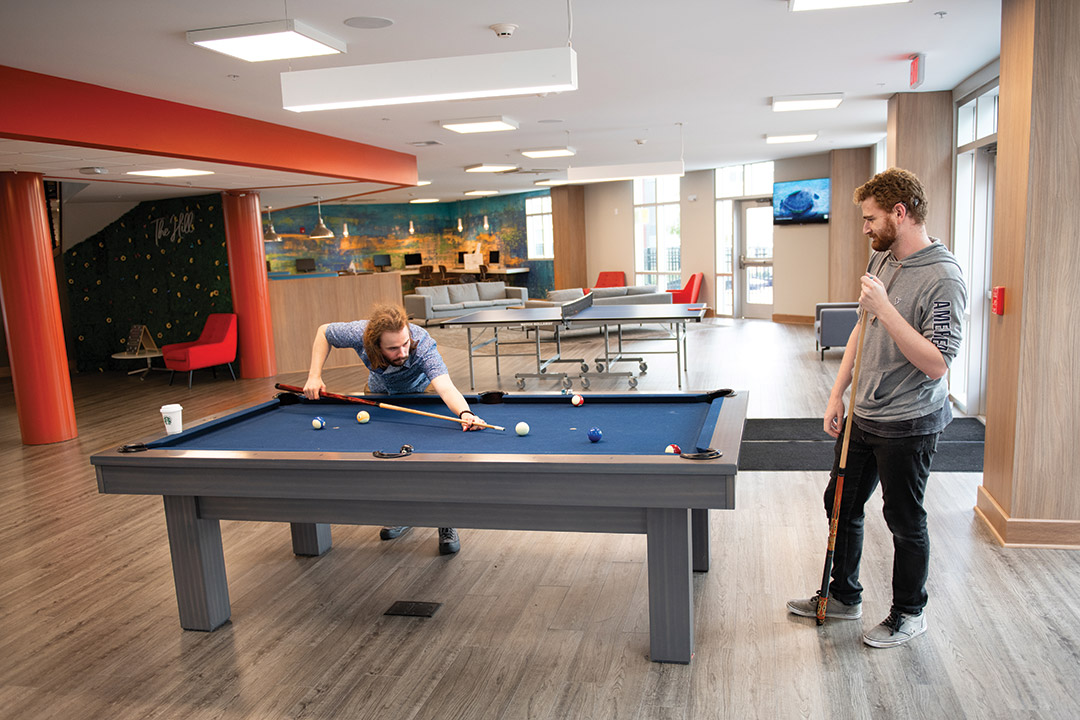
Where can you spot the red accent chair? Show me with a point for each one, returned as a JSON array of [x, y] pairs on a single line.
[[689, 293], [216, 346], [611, 278]]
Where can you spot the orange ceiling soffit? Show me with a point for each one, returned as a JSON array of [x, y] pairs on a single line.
[[44, 108]]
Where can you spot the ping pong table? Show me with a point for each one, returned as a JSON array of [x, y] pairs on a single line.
[[579, 313]]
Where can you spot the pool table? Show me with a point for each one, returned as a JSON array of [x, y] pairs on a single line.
[[267, 463]]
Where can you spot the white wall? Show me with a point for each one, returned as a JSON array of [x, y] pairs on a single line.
[[81, 220]]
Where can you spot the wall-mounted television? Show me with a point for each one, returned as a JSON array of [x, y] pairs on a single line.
[[493, 257], [380, 261], [413, 259], [798, 202], [305, 265]]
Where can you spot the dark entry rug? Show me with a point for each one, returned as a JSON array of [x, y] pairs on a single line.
[[801, 444]]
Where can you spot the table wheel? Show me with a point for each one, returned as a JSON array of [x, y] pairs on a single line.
[[633, 382]]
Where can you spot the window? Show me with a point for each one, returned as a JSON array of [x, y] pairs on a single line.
[[732, 182], [538, 234], [657, 239]]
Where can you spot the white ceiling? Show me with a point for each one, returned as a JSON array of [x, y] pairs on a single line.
[[643, 68]]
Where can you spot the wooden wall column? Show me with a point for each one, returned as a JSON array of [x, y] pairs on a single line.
[[849, 249], [921, 141], [250, 286], [568, 226], [1029, 494], [35, 331]]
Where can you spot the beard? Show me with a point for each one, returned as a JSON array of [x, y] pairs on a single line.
[[882, 241], [398, 363]]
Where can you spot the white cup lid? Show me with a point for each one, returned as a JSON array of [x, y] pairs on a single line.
[[171, 408]]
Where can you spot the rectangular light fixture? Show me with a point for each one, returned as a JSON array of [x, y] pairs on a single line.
[[611, 173], [465, 126], [800, 5], [490, 168], [274, 40], [482, 193], [551, 152], [778, 139], [170, 173], [424, 201], [525, 72], [820, 101], [422, 183]]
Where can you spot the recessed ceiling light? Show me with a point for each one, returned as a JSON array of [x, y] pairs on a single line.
[[550, 120], [481, 124], [821, 101], [94, 170], [170, 172], [425, 143], [777, 139], [422, 183], [274, 40], [369, 23], [490, 168], [550, 152], [422, 201], [479, 193], [800, 5]]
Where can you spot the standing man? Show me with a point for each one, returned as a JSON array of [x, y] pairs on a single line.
[[913, 298], [402, 358]]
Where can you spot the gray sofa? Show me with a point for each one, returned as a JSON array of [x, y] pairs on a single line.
[[449, 301], [634, 295], [833, 323]]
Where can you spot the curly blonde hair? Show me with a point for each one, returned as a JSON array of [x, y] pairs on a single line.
[[383, 319], [895, 186]]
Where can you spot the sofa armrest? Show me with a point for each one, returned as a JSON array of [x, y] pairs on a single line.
[[418, 306], [518, 293]]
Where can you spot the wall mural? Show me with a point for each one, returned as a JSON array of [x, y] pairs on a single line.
[[163, 264]]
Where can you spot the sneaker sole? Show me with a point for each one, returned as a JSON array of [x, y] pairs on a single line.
[[393, 536], [828, 613], [892, 643]]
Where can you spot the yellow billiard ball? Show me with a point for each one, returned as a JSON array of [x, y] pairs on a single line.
[[362, 416]]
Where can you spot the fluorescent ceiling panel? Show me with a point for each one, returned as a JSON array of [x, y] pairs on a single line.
[[551, 152], [800, 5], [610, 173], [170, 172], [524, 72], [778, 139], [481, 193], [423, 201], [794, 103], [274, 40], [479, 125], [490, 168]]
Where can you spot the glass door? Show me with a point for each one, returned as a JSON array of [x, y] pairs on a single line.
[[755, 258]]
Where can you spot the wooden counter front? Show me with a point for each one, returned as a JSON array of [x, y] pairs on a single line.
[[298, 306]]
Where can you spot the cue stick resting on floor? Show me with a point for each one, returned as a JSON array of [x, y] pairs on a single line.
[[385, 406]]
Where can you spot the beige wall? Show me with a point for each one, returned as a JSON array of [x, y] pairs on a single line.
[[800, 252], [698, 224], [609, 228]]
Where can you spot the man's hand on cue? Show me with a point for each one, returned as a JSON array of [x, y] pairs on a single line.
[[313, 388]]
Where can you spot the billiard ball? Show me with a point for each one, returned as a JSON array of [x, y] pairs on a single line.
[[363, 416], [522, 428], [318, 423], [595, 434], [673, 448], [577, 400]]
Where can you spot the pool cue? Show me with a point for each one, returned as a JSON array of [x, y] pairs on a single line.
[[386, 406], [826, 575]]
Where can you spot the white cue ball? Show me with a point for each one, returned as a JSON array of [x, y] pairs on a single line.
[[577, 400], [362, 416], [522, 428]]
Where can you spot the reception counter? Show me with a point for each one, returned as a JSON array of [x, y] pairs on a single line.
[[300, 304]]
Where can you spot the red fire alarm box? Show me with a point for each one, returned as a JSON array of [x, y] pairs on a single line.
[[997, 300]]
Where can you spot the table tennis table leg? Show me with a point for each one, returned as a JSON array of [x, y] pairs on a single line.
[[472, 380]]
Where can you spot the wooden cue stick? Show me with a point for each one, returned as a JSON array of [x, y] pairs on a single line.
[[386, 406], [826, 576]]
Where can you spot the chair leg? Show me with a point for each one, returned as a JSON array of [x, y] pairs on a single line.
[[171, 376], [213, 371], [231, 371], [189, 376]]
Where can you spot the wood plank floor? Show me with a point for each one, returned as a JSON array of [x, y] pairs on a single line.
[[533, 625]]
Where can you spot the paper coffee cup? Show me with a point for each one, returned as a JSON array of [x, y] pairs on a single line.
[[173, 417]]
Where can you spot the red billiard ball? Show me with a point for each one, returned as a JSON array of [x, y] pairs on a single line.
[[673, 448], [577, 400]]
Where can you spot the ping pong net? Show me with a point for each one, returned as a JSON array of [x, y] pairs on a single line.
[[573, 307]]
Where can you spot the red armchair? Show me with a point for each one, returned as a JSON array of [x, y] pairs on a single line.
[[216, 346], [689, 293], [611, 278]]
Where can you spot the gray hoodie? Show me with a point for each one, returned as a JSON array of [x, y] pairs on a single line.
[[928, 291]]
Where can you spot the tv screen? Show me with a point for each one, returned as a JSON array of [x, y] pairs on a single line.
[[461, 258], [305, 265], [413, 259], [493, 257], [380, 260], [801, 201]]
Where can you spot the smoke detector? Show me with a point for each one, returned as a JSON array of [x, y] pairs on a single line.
[[503, 30]]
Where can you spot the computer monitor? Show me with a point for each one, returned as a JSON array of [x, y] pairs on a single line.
[[305, 265], [461, 257], [493, 257], [413, 259], [380, 261]]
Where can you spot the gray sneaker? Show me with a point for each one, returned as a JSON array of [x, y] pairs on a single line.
[[835, 609], [895, 630], [391, 532], [448, 541]]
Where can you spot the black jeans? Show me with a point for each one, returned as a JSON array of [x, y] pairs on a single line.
[[903, 466]]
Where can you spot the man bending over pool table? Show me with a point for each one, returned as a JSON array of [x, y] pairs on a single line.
[[402, 358]]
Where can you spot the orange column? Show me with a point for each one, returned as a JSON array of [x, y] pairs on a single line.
[[35, 331], [250, 286]]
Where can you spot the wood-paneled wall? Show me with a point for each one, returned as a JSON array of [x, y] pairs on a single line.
[[1029, 491], [568, 225], [849, 250], [298, 307], [921, 141]]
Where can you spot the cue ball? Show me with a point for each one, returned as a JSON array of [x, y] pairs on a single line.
[[318, 423], [363, 416], [673, 448], [522, 428], [595, 434], [577, 400]]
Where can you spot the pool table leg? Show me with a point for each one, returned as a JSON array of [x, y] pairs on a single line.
[[202, 592], [310, 539], [671, 600], [699, 518]]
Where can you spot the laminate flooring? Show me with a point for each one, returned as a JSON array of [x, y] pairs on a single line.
[[533, 625]]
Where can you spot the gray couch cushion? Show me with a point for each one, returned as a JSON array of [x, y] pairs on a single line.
[[608, 292], [478, 303], [506, 302], [448, 307], [641, 290], [491, 290], [561, 296], [438, 294], [463, 292]]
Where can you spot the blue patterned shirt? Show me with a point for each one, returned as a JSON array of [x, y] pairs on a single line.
[[423, 365]]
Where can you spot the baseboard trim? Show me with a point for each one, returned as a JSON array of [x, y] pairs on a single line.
[[1023, 532], [793, 319]]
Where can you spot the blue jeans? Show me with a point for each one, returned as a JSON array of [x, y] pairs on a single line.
[[902, 465]]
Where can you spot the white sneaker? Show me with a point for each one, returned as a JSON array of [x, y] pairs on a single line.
[[895, 630]]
